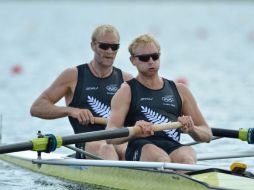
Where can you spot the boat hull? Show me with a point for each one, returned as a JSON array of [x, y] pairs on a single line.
[[113, 177], [126, 178]]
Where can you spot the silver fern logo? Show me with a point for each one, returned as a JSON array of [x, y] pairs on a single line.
[[157, 118], [98, 107]]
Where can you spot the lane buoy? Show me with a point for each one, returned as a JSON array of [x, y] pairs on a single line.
[[16, 69]]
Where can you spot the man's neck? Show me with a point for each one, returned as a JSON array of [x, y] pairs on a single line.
[[100, 71], [152, 82]]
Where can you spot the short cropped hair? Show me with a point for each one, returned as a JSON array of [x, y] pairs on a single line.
[[143, 39], [103, 29]]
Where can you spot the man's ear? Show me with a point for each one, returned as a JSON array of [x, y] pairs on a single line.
[[132, 60], [92, 45]]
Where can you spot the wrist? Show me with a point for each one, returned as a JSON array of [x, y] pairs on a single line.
[[67, 111]]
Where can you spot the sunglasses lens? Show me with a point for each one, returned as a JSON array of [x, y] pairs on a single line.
[[146, 58], [114, 47], [106, 46], [155, 56]]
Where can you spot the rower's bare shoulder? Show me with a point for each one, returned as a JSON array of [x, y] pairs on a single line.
[[184, 92], [127, 76], [182, 88], [125, 87], [70, 73], [69, 76], [123, 92]]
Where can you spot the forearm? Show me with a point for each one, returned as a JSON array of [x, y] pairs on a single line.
[[47, 110], [201, 133]]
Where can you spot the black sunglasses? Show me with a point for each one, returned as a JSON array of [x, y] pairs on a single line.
[[106, 46], [146, 57]]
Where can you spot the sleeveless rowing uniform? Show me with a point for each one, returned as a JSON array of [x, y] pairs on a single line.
[[155, 106], [95, 94]]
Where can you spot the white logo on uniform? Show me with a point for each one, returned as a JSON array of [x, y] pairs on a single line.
[[98, 107], [157, 118], [112, 88], [92, 88], [168, 98], [135, 156], [146, 99]]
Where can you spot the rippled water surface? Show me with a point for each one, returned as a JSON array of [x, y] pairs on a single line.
[[210, 45]]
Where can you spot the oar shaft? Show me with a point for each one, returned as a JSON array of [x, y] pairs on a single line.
[[16, 147], [242, 134], [87, 154], [40, 144], [95, 136], [225, 133]]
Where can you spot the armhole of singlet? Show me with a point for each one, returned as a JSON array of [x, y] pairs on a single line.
[[131, 83], [120, 73], [78, 88], [177, 95]]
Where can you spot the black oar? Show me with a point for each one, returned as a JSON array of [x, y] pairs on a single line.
[[41, 144], [242, 134]]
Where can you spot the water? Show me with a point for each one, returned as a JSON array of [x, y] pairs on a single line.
[[209, 43]]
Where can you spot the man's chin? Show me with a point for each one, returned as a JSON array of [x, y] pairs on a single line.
[[108, 62]]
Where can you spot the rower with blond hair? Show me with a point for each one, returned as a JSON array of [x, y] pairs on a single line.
[[87, 89], [151, 99]]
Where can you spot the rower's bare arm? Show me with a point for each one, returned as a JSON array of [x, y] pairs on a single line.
[[44, 106], [199, 130], [120, 104]]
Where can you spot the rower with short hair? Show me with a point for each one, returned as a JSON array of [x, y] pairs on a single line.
[[150, 99], [88, 89]]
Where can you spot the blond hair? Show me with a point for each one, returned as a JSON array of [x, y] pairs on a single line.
[[103, 29], [143, 39]]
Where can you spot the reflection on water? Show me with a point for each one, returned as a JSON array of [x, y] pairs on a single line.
[[209, 44]]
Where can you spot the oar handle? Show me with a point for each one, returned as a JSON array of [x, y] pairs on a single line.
[[100, 120], [137, 130], [165, 126], [157, 127]]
